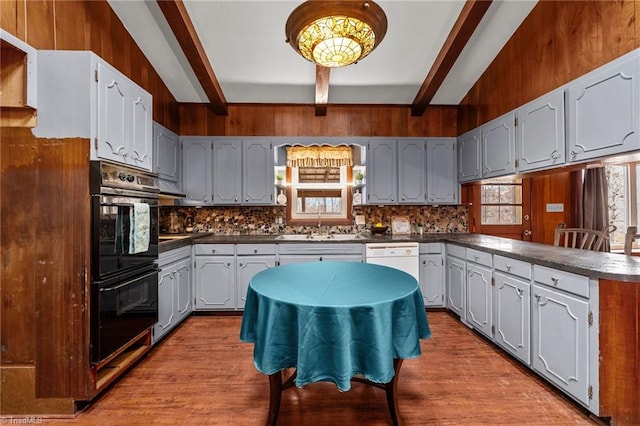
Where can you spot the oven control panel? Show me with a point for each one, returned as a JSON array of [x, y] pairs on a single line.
[[111, 175]]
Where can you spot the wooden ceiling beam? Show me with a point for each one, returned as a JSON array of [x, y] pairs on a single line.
[[467, 22], [322, 89], [178, 18]]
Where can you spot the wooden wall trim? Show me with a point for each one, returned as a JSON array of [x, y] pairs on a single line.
[[620, 351]]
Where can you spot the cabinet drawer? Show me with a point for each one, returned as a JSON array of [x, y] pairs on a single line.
[[512, 266], [576, 284], [214, 249], [457, 251], [255, 249], [477, 256], [430, 248], [320, 249], [171, 256]]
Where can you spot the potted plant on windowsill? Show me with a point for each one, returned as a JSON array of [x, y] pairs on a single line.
[[359, 178]]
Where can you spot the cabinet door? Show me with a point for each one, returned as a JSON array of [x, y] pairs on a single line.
[[456, 280], [183, 290], [166, 302], [479, 298], [604, 109], [247, 267], [412, 179], [469, 158], [512, 309], [141, 143], [167, 153], [382, 173], [227, 171], [499, 147], [432, 279], [540, 132], [287, 259], [196, 170], [215, 283], [112, 115], [257, 172], [442, 178], [560, 339]]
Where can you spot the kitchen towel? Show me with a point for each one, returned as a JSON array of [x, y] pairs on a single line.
[[139, 231]]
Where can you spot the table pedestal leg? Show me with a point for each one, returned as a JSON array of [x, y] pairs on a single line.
[[275, 393], [391, 389]]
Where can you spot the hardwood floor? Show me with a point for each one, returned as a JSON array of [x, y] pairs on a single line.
[[202, 374]]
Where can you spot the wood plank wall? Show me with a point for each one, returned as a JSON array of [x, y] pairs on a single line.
[[300, 120], [88, 25], [557, 42]]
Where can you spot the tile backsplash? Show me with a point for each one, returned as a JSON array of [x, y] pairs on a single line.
[[272, 219]]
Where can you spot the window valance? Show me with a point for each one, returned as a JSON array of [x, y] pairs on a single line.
[[319, 156]]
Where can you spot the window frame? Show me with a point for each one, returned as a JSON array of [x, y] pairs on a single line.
[[311, 219]]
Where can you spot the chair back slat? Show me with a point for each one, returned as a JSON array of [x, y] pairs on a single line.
[[629, 238], [581, 238]]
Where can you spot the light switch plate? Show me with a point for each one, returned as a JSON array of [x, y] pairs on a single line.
[[360, 219], [555, 207]]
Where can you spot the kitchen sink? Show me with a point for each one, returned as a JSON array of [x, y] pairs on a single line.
[[329, 237]]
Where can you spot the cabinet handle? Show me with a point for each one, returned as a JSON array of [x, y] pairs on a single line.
[[235, 199], [213, 250], [508, 268], [432, 198], [555, 280], [555, 155], [424, 262], [241, 264], [574, 153], [228, 264], [519, 291], [246, 200], [320, 258], [403, 198], [392, 198], [255, 251]]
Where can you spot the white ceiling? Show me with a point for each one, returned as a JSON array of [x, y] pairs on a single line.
[[245, 42]]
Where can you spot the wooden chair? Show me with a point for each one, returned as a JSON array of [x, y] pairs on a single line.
[[629, 238], [580, 238]]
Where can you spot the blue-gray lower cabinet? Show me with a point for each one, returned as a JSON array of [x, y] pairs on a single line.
[[251, 259], [215, 276], [174, 290], [560, 325], [512, 315], [456, 280], [432, 274]]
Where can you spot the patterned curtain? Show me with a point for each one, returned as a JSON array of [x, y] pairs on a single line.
[[319, 156]]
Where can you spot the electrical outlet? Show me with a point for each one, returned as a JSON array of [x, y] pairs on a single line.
[[360, 219], [555, 207]]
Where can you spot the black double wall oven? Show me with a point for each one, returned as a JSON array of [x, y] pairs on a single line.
[[124, 254]]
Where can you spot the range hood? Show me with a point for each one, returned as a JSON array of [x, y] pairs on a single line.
[[170, 189]]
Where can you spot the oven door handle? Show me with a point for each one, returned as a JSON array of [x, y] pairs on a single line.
[[124, 284], [124, 205]]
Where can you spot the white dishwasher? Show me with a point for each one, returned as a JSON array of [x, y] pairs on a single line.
[[403, 256]]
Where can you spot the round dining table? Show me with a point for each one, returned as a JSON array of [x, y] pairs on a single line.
[[333, 321]]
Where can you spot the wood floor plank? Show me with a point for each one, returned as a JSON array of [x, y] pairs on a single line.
[[202, 374]]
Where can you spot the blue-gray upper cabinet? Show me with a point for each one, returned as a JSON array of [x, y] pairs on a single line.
[[499, 146], [442, 182], [197, 181], [81, 96], [227, 171], [469, 158], [257, 171], [382, 171], [166, 153], [604, 109], [411, 171], [540, 132]]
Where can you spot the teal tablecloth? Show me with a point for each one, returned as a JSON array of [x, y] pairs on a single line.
[[333, 320]]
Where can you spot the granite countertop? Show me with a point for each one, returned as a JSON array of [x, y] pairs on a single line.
[[588, 263]]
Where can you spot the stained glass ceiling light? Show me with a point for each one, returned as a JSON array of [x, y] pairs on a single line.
[[336, 33]]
